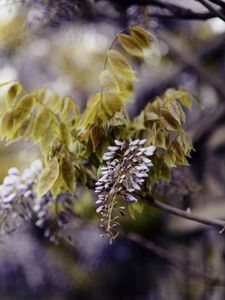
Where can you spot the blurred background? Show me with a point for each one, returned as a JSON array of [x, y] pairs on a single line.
[[61, 44]]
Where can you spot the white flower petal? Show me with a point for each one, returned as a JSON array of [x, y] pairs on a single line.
[[149, 150], [118, 143], [13, 171], [130, 199], [142, 142], [9, 198], [113, 148], [134, 143]]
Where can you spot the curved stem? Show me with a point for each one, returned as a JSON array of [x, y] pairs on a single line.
[[187, 215]]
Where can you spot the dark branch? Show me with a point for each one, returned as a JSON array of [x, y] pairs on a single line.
[[219, 3], [180, 265], [184, 15], [186, 215], [217, 13], [177, 12]]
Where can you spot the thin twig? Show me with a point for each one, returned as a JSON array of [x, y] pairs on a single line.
[[186, 215], [183, 16], [217, 13], [218, 2], [179, 264]]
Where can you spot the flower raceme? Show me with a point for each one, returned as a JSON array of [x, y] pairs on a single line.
[[126, 168], [19, 201]]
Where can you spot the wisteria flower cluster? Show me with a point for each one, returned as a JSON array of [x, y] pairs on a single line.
[[126, 169], [19, 202], [17, 196], [53, 213]]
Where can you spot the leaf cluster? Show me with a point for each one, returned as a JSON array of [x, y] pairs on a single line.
[[72, 143]]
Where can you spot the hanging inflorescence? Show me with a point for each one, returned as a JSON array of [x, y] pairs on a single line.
[[17, 196], [126, 169], [19, 202]]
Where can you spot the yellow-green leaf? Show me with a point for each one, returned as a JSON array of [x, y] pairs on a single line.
[[26, 128], [185, 142], [96, 136], [41, 123], [169, 159], [151, 116], [53, 102], [7, 123], [131, 45], [126, 90], [91, 111], [69, 107], [120, 65], [68, 174], [13, 92], [65, 134], [47, 139], [41, 95], [111, 103], [140, 35], [56, 189], [26, 103], [169, 121], [160, 139], [109, 82], [48, 177]]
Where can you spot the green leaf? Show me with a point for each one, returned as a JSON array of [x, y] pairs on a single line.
[[120, 65], [41, 123], [47, 139], [91, 111], [186, 143], [160, 139], [12, 94], [176, 111], [109, 82], [53, 101], [26, 103], [111, 103], [185, 99], [48, 177], [131, 45], [66, 135], [169, 121], [140, 35], [96, 136], [7, 123], [69, 108], [170, 159], [68, 174], [126, 89], [151, 116], [26, 128], [139, 122], [56, 188]]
